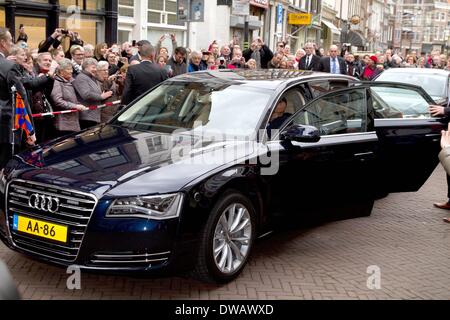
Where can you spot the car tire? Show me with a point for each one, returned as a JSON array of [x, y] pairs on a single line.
[[225, 249]]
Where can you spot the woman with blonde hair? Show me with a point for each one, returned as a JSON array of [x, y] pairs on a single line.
[[100, 51]]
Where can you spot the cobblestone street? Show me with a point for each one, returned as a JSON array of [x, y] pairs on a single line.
[[405, 237]]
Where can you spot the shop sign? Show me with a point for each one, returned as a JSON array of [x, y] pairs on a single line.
[[241, 7], [191, 10], [299, 18]]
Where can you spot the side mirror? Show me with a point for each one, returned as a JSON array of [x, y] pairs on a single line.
[[301, 133]]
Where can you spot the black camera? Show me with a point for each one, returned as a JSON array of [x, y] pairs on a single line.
[[64, 31]]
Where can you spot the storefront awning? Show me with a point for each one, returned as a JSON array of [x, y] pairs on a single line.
[[331, 26]]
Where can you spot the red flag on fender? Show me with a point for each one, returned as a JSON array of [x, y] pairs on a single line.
[[22, 118]]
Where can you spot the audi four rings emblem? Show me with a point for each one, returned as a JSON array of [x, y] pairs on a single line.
[[44, 203]]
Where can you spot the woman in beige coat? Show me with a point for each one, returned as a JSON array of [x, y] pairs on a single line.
[[64, 98]]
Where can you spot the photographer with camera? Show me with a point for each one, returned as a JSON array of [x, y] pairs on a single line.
[[54, 41], [238, 61], [260, 52], [22, 35], [221, 63], [163, 51]]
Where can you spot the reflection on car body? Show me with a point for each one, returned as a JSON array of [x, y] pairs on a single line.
[[177, 180]]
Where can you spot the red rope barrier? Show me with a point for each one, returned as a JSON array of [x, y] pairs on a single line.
[[55, 113]]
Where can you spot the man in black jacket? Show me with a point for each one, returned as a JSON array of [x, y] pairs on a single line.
[[310, 61], [333, 63], [143, 76], [9, 77]]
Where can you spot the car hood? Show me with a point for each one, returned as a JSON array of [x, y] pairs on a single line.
[[111, 160]]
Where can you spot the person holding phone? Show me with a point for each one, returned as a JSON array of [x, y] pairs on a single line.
[[260, 52], [160, 50], [22, 35]]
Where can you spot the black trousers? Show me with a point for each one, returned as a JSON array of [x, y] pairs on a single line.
[[45, 130], [448, 188], [5, 154], [85, 124]]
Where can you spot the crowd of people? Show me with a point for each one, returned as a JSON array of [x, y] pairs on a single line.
[[50, 78]]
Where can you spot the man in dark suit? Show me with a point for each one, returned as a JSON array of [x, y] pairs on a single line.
[[9, 77], [333, 63], [143, 76], [310, 61]]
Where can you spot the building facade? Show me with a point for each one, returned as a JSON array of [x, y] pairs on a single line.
[[96, 21], [422, 26]]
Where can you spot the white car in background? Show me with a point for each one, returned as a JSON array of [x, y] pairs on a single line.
[[435, 82]]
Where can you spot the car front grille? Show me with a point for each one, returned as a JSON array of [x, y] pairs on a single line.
[[75, 210], [128, 259]]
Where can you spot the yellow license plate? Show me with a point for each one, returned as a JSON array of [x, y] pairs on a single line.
[[40, 228]]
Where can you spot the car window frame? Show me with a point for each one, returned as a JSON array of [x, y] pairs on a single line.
[[360, 84], [368, 110], [308, 95], [399, 85]]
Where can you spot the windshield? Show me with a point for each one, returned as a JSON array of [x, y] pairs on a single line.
[[209, 107], [433, 84]]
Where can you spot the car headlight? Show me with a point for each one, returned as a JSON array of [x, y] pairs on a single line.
[[148, 207]]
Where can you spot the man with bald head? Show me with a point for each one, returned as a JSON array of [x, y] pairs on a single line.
[[333, 63]]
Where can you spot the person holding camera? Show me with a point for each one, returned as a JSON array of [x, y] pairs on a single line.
[[54, 41], [22, 35], [238, 61], [163, 51], [260, 52], [221, 63]]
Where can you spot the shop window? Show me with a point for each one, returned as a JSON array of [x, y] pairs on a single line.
[[126, 8], [89, 5], [34, 28], [2, 18], [163, 12], [91, 29], [123, 36]]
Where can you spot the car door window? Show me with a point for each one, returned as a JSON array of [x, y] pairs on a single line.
[[339, 113], [322, 87], [396, 102], [319, 88], [288, 104]]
